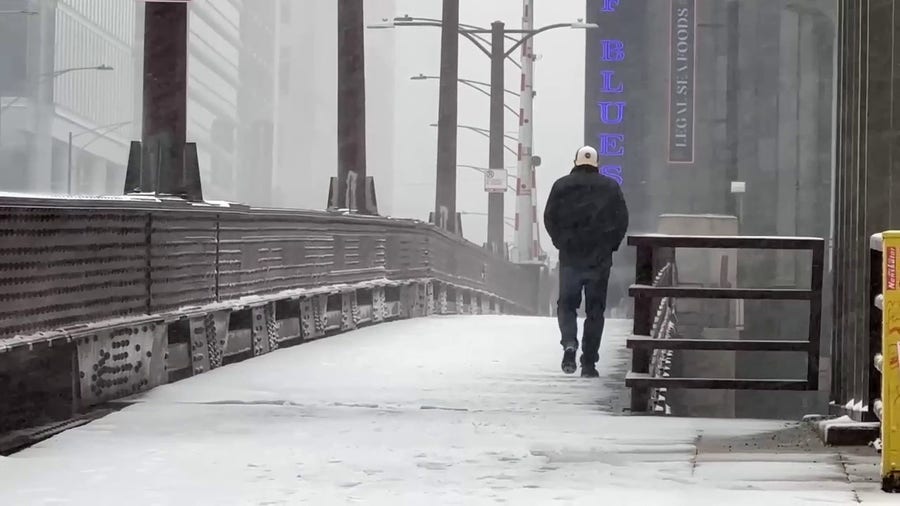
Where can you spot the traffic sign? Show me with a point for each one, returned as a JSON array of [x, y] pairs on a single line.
[[495, 180]]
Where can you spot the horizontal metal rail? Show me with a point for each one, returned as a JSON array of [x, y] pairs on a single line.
[[717, 344], [693, 292], [68, 262], [724, 242], [652, 249], [633, 379]]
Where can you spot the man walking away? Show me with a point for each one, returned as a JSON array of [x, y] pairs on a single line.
[[586, 217]]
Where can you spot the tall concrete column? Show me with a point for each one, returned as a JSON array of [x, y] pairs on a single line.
[[445, 192], [497, 147], [351, 106], [163, 162], [165, 94]]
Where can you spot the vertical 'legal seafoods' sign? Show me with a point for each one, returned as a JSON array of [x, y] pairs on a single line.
[[612, 55], [682, 81]]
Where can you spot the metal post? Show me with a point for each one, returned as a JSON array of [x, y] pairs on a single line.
[[495, 199], [525, 180], [351, 107], [643, 275], [445, 192], [69, 166], [165, 96], [642, 325]]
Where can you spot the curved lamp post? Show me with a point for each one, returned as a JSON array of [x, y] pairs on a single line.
[[497, 52]]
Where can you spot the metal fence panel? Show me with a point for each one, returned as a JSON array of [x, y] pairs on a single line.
[[75, 262]]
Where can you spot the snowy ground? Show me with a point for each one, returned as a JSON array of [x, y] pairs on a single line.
[[455, 410]]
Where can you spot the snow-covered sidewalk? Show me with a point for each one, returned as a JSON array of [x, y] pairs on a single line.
[[442, 410]]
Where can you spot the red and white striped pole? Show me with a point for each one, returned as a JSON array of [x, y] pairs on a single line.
[[526, 211]]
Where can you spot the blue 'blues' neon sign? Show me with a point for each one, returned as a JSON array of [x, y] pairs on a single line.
[[611, 108]]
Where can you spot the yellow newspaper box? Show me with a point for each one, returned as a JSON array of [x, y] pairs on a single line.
[[890, 374]]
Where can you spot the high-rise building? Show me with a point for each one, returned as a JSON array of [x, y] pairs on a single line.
[[307, 123], [66, 84], [73, 70]]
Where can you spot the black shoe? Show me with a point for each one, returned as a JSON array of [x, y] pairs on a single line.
[[589, 371], [568, 361]]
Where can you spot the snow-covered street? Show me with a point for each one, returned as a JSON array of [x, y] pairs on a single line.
[[441, 410]]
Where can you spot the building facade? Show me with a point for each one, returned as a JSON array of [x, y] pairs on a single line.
[[721, 108]]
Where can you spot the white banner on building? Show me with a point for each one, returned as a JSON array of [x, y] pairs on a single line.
[[495, 180]]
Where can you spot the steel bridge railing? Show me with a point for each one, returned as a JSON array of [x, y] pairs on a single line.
[[651, 333], [103, 298], [66, 263]]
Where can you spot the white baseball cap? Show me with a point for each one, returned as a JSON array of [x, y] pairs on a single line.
[[586, 156]]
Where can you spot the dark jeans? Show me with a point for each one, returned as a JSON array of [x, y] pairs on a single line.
[[594, 281]]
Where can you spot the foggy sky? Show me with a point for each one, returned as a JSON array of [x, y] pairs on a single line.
[[558, 114]]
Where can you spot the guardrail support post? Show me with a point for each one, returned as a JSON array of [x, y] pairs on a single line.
[[643, 321], [349, 311], [429, 298], [379, 310], [643, 306], [815, 317], [442, 299], [200, 355]]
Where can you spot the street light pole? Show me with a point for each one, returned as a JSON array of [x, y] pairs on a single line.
[[475, 86], [496, 161], [486, 133], [445, 191], [445, 201], [525, 207]]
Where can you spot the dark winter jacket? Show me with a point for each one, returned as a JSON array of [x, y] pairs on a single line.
[[586, 217]]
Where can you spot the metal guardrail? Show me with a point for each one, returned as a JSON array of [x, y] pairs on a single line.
[[664, 327], [884, 352], [656, 250], [102, 298]]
